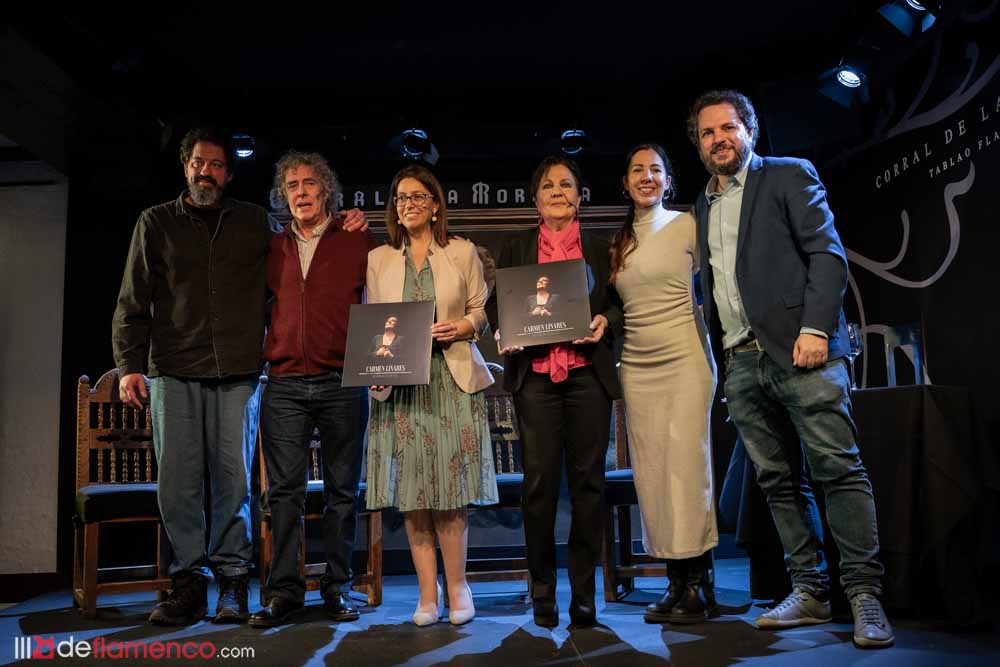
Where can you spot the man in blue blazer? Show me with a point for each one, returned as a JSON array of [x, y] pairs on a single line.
[[773, 273]]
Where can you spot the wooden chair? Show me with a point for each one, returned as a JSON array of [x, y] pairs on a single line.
[[510, 480], [370, 581], [621, 565], [115, 484]]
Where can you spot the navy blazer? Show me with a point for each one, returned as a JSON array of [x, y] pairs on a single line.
[[791, 268], [522, 248]]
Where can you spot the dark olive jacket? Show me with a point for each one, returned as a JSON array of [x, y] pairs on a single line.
[[192, 299]]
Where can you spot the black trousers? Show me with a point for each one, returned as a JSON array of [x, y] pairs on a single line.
[[291, 407], [567, 420]]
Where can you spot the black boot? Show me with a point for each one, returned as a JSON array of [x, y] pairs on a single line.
[[546, 612], [582, 612], [697, 602], [186, 603], [232, 606], [659, 611]]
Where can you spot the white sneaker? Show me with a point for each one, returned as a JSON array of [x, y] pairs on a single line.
[[799, 608], [871, 627]]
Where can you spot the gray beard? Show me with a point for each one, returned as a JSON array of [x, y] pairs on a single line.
[[205, 196]]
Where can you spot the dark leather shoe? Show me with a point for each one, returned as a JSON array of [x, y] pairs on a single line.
[[186, 603], [278, 610], [339, 608], [582, 613], [546, 613]]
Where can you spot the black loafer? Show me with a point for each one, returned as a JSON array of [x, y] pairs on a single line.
[[278, 610], [339, 608], [546, 613], [582, 614]]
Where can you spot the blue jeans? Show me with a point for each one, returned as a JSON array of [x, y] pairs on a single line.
[[291, 408], [780, 414], [199, 427]]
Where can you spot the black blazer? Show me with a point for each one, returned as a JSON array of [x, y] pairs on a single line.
[[522, 248], [791, 267]]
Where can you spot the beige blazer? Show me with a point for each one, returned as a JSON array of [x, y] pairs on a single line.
[[460, 292]]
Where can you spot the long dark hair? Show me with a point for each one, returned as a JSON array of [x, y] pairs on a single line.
[[397, 233], [624, 242]]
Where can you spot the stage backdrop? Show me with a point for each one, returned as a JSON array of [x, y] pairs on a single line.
[[916, 202]]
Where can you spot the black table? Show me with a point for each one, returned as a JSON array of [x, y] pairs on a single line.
[[936, 484]]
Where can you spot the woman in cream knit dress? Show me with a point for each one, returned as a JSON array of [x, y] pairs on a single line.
[[668, 378]]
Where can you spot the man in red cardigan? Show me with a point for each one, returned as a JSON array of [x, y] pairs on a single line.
[[315, 271]]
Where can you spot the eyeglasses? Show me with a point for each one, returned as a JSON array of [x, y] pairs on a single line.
[[418, 198]]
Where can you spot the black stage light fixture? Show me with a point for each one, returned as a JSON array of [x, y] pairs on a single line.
[[244, 146], [846, 84], [414, 144], [908, 16], [573, 142]]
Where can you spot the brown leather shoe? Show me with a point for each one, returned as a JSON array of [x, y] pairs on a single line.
[[186, 603]]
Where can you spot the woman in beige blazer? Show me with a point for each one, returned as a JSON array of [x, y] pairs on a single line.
[[429, 452]]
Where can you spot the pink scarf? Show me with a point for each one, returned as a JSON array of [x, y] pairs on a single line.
[[558, 247]]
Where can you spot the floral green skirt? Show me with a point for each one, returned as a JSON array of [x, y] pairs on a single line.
[[429, 447]]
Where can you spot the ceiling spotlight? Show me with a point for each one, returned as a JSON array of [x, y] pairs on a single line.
[[846, 84], [848, 77], [244, 146], [909, 16], [573, 142], [415, 143]]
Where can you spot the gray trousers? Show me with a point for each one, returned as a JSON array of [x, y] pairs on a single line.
[[205, 431]]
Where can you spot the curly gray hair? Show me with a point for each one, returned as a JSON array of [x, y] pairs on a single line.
[[327, 177]]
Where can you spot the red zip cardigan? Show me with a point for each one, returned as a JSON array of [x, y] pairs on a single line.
[[308, 330]]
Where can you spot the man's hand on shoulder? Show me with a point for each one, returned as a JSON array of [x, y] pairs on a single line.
[[354, 220]]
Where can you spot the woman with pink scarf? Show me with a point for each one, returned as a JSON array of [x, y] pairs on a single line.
[[562, 395]]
